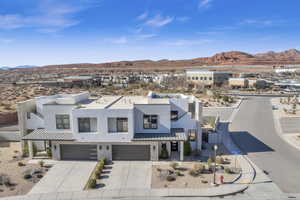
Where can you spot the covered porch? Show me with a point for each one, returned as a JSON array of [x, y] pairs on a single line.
[[170, 145], [41, 141]]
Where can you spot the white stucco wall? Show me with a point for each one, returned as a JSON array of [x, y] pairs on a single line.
[[102, 134], [50, 112], [163, 112]]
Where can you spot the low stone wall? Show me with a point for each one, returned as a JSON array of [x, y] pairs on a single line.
[[8, 118]]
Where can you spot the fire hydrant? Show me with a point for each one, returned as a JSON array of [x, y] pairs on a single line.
[[222, 179]]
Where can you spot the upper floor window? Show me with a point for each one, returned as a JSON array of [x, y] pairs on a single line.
[[62, 122], [117, 125], [192, 134], [84, 125], [174, 115], [210, 78], [150, 121]]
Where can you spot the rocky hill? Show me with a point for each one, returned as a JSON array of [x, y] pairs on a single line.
[[234, 58]]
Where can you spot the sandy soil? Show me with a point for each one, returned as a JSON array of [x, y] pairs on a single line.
[[186, 180], [9, 166]]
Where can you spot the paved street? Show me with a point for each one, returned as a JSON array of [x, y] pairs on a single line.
[[290, 124], [253, 130], [223, 113]]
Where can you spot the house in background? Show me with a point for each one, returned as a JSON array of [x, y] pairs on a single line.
[[207, 78], [78, 127]]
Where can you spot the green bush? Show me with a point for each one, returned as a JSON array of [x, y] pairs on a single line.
[[26, 150], [164, 154], [49, 152], [34, 149], [178, 173], [92, 183], [187, 148], [174, 165], [98, 174], [227, 170], [20, 164], [41, 163]]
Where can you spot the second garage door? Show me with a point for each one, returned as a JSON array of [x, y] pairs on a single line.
[[78, 152], [131, 152]]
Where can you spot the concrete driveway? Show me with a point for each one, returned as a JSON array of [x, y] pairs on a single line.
[[128, 175], [65, 176]]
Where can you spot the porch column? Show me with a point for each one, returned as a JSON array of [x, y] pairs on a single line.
[[181, 150], [30, 149]]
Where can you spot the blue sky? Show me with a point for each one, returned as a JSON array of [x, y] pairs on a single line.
[[41, 32]]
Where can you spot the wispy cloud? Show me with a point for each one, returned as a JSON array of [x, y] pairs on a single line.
[[183, 19], [142, 16], [257, 22], [159, 21], [50, 15], [146, 36], [6, 41], [205, 3]]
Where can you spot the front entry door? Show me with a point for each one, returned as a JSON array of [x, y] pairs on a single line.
[[174, 146]]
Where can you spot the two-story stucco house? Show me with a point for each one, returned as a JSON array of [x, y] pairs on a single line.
[[79, 127]]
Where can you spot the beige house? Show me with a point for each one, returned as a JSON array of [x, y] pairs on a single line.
[[208, 78], [238, 82]]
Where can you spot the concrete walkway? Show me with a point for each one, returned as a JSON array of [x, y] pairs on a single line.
[[65, 177]]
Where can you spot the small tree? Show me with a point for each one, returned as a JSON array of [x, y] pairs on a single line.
[[187, 148]]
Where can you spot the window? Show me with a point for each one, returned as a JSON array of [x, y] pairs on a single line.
[[28, 115], [150, 121], [193, 78], [210, 78], [174, 115], [192, 135], [197, 78], [122, 125], [117, 125], [62, 121], [205, 78], [201, 78], [84, 125]]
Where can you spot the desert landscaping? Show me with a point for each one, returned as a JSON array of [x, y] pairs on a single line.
[[17, 176]]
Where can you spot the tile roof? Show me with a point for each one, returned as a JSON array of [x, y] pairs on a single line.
[[41, 134]]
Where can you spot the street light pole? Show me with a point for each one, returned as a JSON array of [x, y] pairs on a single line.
[[215, 149]]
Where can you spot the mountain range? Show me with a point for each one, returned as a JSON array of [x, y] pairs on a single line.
[[291, 56]]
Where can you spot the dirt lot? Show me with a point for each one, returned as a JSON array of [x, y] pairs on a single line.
[[10, 156], [185, 180]]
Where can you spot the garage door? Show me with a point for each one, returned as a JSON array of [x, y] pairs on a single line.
[[78, 152], [131, 152]]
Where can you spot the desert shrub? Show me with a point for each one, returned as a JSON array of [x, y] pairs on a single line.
[[98, 174], [187, 148], [174, 165], [49, 152], [39, 176], [92, 183], [171, 178], [209, 161], [41, 163], [164, 154], [20, 164], [219, 160], [26, 150], [34, 149], [178, 173], [227, 170], [27, 176], [199, 167], [194, 172], [104, 160]]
